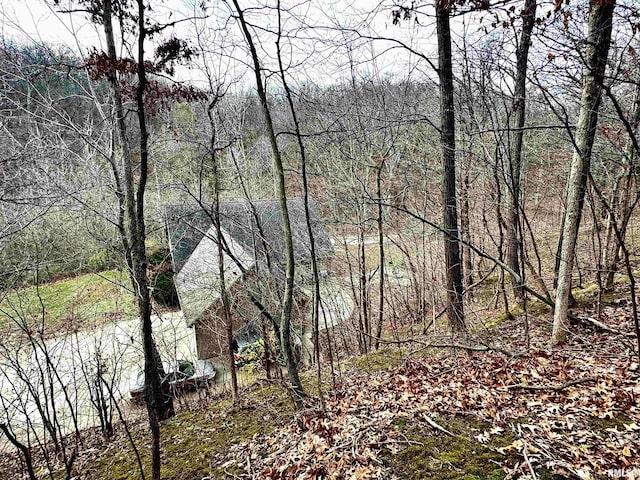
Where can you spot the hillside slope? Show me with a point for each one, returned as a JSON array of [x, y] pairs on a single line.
[[423, 409]]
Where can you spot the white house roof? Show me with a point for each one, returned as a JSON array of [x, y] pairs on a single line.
[[198, 281], [253, 237]]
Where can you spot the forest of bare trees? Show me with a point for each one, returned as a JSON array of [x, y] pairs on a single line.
[[447, 184]]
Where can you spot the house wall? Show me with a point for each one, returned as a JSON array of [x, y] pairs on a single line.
[[211, 337], [211, 331]]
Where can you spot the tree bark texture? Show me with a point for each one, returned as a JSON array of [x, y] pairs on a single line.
[[159, 405], [381, 252], [465, 232], [279, 181], [224, 295], [514, 243], [453, 267], [597, 50]]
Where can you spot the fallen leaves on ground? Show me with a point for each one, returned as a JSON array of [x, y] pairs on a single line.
[[573, 411]]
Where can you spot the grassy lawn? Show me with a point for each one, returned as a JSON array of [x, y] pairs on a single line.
[[74, 302]]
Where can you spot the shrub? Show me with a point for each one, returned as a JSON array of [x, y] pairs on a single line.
[[100, 261], [163, 289]]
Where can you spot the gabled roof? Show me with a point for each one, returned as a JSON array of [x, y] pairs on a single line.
[[256, 226], [252, 233]]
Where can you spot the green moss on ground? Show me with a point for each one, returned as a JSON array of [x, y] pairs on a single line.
[[496, 320], [618, 422], [445, 457], [588, 291], [534, 307], [587, 295], [194, 441], [378, 360]]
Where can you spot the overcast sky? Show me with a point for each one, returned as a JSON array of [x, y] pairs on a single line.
[[29, 20], [42, 22], [312, 55]]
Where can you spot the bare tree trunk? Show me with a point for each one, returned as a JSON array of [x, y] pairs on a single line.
[[285, 321], [454, 305], [599, 38], [514, 242], [224, 295], [381, 255], [622, 198], [498, 166], [159, 405], [121, 130], [22, 448], [465, 232], [466, 102], [558, 257], [315, 312], [364, 285]]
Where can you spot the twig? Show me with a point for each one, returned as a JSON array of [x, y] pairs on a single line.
[[437, 426], [565, 465], [475, 348], [605, 328], [555, 388], [395, 442], [472, 348], [526, 457]]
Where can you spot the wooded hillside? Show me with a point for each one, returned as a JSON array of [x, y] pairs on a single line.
[[405, 234]]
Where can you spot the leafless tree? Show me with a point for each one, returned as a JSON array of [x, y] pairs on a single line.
[[597, 48]]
